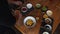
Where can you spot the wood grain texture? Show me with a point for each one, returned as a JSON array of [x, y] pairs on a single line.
[[53, 5]]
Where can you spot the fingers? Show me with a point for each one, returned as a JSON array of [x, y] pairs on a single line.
[[19, 3], [16, 14]]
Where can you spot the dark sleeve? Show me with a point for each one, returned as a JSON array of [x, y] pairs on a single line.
[[6, 17], [6, 30]]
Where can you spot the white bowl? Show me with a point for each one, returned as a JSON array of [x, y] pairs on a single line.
[[32, 18], [49, 12], [29, 5], [45, 32]]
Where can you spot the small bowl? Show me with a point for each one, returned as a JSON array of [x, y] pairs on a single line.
[[50, 20], [48, 27], [29, 5], [45, 32], [24, 9], [49, 12]]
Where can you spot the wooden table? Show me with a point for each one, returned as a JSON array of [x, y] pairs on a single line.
[[53, 5]]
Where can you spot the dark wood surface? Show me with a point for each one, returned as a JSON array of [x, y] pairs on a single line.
[[53, 5]]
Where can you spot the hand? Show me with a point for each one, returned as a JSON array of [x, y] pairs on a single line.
[[16, 2], [18, 16]]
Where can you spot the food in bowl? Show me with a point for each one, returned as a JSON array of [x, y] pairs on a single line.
[[29, 22]]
